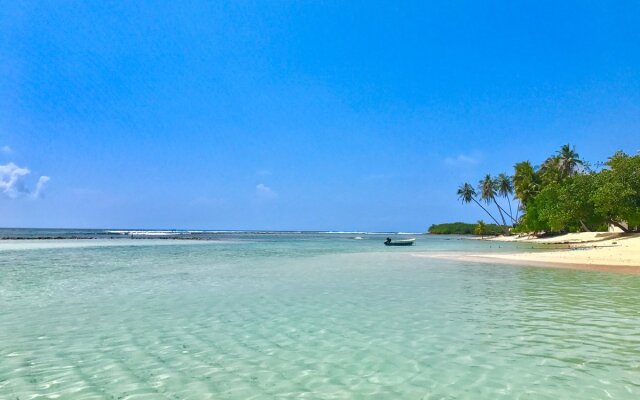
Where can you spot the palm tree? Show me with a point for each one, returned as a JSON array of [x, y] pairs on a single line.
[[480, 229], [487, 188], [518, 209], [568, 161], [505, 189], [525, 182], [467, 194], [550, 171]]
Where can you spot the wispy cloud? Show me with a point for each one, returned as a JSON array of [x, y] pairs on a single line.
[[464, 160], [41, 182], [265, 192], [6, 149], [263, 172], [12, 182]]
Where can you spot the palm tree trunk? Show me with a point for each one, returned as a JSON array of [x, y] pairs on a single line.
[[504, 211], [504, 223], [510, 210], [585, 227], [487, 211], [619, 225]]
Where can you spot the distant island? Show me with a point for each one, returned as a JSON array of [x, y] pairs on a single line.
[[462, 228]]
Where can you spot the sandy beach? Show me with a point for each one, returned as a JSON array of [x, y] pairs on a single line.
[[588, 250]]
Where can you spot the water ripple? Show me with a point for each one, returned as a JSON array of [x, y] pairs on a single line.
[[179, 323]]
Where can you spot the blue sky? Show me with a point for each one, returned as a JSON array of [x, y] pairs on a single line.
[[296, 114]]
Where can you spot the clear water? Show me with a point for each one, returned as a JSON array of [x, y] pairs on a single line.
[[316, 316]]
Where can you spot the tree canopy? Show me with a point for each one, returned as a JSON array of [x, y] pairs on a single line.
[[563, 194]]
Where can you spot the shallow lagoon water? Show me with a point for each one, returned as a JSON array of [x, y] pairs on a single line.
[[307, 316]]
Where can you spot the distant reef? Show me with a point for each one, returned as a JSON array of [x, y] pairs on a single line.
[[461, 228]]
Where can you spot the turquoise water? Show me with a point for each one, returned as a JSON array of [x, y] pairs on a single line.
[[312, 316]]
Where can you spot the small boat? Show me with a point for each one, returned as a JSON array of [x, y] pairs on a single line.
[[403, 242]]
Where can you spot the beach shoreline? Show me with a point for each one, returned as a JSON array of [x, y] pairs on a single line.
[[601, 251]]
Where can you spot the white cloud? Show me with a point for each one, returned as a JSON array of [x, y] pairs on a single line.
[[463, 160], [12, 182], [265, 192], [5, 149], [38, 192]]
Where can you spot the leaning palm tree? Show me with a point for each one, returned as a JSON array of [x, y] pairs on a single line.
[[568, 161], [467, 194], [487, 188], [505, 189]]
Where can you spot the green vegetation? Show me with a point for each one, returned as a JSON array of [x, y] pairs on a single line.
[[461, 228], [564, 194], [481, 228]]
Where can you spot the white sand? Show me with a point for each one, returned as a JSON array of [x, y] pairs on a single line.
[[582, 237], [589, 250]]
